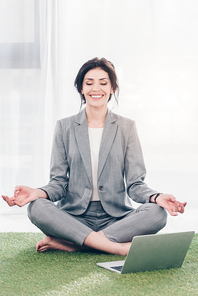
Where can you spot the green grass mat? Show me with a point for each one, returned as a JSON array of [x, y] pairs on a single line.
[[23, 271]]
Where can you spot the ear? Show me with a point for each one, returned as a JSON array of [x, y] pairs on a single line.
[[112, 91], [82, 92]]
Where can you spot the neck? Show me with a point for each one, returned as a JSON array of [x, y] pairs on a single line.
[[95, 117]]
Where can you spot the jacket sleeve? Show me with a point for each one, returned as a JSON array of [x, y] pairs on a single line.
[[59, 168], [135, 170]]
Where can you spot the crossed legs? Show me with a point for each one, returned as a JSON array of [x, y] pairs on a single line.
[[65, 232]]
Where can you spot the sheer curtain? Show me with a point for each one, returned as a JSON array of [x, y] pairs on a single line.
[[28, 92], [153, 45]]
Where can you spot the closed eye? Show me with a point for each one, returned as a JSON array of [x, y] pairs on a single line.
[[92, 83]]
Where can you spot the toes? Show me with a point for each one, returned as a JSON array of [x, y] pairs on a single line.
[[39, 246]]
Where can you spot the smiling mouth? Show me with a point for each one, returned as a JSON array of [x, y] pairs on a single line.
[[96, 96]]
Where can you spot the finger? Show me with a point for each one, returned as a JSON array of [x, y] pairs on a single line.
[[19, 187], [16, 192], [173, 213], [181, 209], [12, 201], [172, 198], [176, 206], [4, 197], [9, 201]]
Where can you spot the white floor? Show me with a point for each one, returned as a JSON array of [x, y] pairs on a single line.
[[16, 220]]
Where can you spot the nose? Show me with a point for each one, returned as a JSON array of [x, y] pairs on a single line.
[[96, 87]]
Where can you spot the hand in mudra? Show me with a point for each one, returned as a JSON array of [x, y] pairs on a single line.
[[23, 195], [169, 202]]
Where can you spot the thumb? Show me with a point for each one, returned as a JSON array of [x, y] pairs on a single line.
[[172, 198], [19, 187]]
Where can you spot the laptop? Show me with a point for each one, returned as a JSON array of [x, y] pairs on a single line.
[[153, 252]]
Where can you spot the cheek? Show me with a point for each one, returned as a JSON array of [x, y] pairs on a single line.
[[85, 89]]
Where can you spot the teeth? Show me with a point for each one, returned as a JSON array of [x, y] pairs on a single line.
[[96, 97]]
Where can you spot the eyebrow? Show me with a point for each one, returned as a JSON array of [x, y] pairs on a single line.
[[99, 79]]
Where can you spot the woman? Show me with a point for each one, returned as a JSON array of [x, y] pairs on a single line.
[[96, 169]]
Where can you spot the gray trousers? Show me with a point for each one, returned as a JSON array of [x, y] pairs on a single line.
[[149, 218]]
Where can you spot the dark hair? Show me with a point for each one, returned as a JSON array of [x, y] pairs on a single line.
[[105, 65]]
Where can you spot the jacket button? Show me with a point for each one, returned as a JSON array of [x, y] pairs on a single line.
[[101, 188]]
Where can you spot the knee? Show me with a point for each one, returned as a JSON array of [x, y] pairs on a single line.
[[159, 217], [155, 216], [35, 209]]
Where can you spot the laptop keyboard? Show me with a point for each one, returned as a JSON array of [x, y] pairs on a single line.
[[119, 268]]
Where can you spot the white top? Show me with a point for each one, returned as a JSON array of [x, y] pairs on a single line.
[[95, 136]]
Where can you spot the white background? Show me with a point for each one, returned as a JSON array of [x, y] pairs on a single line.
[[154, 46]]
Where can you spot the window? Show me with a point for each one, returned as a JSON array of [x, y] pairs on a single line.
[[20, 38]]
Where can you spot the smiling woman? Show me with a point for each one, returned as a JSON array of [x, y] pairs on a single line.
[[97, 168], [107, 76], [96, 88]]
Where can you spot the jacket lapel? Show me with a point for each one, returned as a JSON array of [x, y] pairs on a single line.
[[109, 132], [82, 138]]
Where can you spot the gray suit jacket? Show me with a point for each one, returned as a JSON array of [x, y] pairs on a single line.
[[121, 169]]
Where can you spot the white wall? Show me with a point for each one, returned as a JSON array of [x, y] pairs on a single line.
[[154, 46]]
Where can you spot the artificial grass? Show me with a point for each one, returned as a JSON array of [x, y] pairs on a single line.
[[23, 271]]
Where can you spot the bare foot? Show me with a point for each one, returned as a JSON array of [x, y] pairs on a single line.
[[52, 243], [99, 241], [125, 248], [104, 245]]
